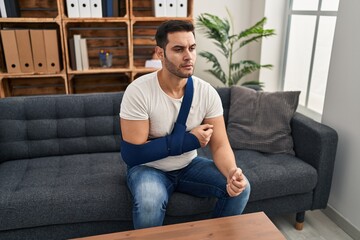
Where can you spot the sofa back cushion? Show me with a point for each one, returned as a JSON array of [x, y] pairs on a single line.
[[40, 126], [261, 120]]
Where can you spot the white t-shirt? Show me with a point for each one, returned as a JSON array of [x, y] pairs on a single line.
[[144, 99]]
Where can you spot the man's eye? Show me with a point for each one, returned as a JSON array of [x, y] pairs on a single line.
[[192, 48], [178, 49]]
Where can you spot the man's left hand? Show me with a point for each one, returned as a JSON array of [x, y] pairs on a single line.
[[236, 182]]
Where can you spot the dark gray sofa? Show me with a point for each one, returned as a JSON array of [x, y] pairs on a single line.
[[61, 173]]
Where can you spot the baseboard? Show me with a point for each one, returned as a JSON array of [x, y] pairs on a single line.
[[342, 222]]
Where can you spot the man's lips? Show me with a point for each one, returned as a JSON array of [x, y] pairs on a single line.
[[187, 66]]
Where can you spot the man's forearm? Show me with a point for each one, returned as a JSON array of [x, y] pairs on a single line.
[[136, 154]]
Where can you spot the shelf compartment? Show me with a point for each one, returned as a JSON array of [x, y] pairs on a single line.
[[112, 36], [33, 25], [109, 82], [39, 85], [143, 41]]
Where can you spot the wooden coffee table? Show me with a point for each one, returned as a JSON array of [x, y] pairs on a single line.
[[248, 226]]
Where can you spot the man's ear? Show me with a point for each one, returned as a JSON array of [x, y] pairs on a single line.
[[159, 52]]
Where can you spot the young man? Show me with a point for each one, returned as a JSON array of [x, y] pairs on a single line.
[[149, 109]]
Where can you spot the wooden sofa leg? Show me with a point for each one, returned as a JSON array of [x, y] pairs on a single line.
[[300, 218]]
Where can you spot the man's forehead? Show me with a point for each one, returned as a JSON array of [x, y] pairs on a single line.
[[181, 38]]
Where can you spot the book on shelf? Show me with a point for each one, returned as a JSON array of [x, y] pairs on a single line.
[[77, 48], [24, 48], [51, 50], [11, 53], [159, 8], [171, 8], [9, 8], [3, 9], [72, 7], [84, 8], [84, 54], [181, 8], [96, 8], [72, 57], [109, 8], [38, 50]]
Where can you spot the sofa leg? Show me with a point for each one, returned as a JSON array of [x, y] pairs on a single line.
[[300, 218]]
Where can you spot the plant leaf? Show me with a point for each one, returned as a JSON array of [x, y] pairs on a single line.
[[214, 27], [216, 67]]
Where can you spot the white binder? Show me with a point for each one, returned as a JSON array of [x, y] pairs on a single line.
[[171, 8], [72, 7], [84, 8], [84, 54], [160, 8], [96, 8], [78, 58], [3, 9], [181, 8]]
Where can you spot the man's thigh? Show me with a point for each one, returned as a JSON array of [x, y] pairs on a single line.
[[203, 179], [147, 182]]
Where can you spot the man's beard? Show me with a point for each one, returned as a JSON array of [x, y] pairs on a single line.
[[171, 67]]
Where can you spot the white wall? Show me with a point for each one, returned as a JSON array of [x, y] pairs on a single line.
[[342, 112], [241, 14], [272, 48]]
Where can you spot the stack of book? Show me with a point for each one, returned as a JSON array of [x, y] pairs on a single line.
[[79, 59]]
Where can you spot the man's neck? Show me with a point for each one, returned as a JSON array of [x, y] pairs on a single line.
[[172, 85]]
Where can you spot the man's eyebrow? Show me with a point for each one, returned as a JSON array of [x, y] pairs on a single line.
[[182, 46]]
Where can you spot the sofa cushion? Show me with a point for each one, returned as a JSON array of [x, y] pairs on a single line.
[[275, 175], [62, 190], [261, 120]]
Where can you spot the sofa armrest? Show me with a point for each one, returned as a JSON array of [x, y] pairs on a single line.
[[316, 144]]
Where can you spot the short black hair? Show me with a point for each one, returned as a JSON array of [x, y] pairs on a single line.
[[170, 27]]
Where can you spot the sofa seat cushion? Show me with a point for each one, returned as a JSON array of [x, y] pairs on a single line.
[[275, 175], [64, 189]]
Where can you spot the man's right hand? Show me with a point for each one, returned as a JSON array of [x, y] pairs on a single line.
[[203, 133]]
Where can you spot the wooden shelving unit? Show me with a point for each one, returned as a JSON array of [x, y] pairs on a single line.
[[129, 37]]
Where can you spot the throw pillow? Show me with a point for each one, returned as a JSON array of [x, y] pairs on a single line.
[[261, 120]]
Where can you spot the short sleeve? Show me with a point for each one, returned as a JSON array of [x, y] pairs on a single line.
[[214, 108], [133, 104]]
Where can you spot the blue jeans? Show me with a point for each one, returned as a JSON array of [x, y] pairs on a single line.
[[151, 189]]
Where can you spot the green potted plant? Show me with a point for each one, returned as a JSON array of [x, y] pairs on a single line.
[[229, 43]]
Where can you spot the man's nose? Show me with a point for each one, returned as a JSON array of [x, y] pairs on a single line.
[[187, 54]]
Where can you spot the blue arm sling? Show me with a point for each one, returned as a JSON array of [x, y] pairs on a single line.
[[178, 142]]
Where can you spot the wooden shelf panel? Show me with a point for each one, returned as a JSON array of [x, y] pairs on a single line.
[[34, 86], [99, 71], [38, 8], [99, 83]]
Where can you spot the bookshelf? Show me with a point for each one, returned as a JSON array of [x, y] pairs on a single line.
[[128, 35]]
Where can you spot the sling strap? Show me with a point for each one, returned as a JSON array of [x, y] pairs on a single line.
[[186, 103]]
